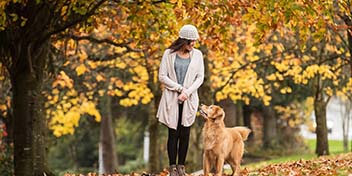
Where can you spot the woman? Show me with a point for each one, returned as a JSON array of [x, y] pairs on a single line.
[[181, 72]]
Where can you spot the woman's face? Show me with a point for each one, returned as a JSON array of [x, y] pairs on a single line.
[[190, 45]]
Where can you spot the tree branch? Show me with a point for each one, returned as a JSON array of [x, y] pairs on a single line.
[[75, 21], [106, 57], [100, 41]]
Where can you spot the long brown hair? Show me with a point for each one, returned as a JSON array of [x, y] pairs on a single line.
[[178, 44]]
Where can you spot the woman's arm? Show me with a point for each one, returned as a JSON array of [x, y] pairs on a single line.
[[199, 78], [164, 76]]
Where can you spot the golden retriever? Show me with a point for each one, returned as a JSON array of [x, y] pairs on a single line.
[[220, 143]]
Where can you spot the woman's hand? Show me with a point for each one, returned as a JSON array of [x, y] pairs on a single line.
[[182, 97]]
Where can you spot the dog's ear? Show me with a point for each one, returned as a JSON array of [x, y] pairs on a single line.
[[219, 114]]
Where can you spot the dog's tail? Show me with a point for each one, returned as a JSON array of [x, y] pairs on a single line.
[[244, 131]]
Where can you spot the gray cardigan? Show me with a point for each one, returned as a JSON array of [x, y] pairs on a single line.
[[168, 107]]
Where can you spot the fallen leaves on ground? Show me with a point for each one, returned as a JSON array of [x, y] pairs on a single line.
[[326, 165], [323, 166]]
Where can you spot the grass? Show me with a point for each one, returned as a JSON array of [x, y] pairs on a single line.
[[335, 147]]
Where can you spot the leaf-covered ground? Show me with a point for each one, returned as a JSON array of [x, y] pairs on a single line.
[[339, 165], [322, 166]]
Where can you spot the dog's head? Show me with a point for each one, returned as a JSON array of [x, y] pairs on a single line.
[[213, 113]]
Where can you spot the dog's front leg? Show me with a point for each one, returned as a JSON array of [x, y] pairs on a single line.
[[219, 165], [206, 164]]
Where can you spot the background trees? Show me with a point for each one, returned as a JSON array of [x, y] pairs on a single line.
[[25, 50], [72, 64]]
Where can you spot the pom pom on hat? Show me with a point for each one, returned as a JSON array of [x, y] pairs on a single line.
[[189, 32]]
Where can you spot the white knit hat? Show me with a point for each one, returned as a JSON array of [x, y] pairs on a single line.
[[188, 32]]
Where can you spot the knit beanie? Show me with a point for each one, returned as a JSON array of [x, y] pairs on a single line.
[[188, 32]]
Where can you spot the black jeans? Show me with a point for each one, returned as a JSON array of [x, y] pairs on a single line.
[[177, 142]]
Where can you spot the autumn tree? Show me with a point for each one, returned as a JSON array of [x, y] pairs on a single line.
[[311, 21], [26, 28]]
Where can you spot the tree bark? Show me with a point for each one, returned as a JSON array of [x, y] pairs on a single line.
[[239, 115], [346, 116], [205, 93], [322, 146], [28, 109], [24, 50], [107, 152], [230, 112], [270, 131], [348, 22], [154, 163], [246, 115]]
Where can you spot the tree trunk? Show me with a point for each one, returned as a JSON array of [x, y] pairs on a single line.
[[154, 164], [230, 112], [107, 152], [28, 109], [346, 115], [205, 93], [239, 115], [270, 132], [348, 22], [246, 114], [322, 146]]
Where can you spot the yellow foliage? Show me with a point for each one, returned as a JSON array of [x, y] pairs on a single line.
[[286, 90], [120, 65], [293, 114], [118, 93], [3, 109], [137, 93], [119, 49], [65, 115], [283, 91], [119, 84], [74, 101], [314, 48], [81, 69], [271, 77], [101, 92], [345, 92], [55, 91], [92, 65], [83, 56], [100, 77], [266, 100], [89, 107], [63, 81], [71, 93], [281, 67], [179, 3], [55, 99], [220, 96], [328, 91]]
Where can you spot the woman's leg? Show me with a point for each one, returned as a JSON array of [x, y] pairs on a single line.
[[172, 146], [183, 144], [183, 135]]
